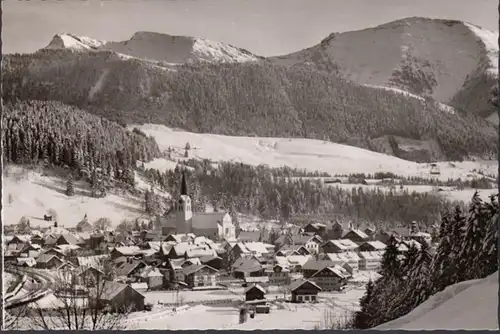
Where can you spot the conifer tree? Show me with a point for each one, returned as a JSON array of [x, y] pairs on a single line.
[[70, 191]]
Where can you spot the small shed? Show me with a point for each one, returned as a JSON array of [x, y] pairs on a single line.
[[304, 291], [255, 293]]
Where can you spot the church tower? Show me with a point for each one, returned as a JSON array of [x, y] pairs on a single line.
[[184, 213]]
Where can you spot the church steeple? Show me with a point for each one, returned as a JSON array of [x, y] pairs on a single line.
[[183, 184]]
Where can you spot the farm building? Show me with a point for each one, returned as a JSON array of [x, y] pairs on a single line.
[[121, 296], [330, 278], [304, 291], [255, 293]]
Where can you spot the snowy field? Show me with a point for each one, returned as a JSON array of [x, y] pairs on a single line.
[[8, 280], [308, 154], [30, 194], [282, 316], [470, 305]]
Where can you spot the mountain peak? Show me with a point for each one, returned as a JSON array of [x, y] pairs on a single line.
[[73, 42]]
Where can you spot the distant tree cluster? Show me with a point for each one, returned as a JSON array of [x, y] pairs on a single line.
[[266, 192], [55, 134], [251, 99], [467, 250]]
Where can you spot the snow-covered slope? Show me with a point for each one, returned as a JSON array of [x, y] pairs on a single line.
[[159, 47], [32, 194], [309, 154], [470, 305], [490, 40], [440, 106], [420, 55], [69, 41]]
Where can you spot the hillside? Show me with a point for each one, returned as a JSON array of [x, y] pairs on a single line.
[[158, 47], [305, 154], [451, 61], [451, 309], [248, 99]]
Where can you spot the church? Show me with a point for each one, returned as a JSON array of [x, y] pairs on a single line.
[[182, 219]]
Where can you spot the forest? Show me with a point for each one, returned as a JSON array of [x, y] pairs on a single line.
[[53, 134], [274, 193], [251, 99], [467, 250]]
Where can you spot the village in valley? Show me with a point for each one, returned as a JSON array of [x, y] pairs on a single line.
[[200, 260]]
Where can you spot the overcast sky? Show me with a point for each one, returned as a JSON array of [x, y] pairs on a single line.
[[265, 27]]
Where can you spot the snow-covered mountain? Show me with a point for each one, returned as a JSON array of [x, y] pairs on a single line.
[[469, 305], [72, 42], [450, 61], [159, 47]]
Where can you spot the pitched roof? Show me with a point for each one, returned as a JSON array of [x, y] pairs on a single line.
[[343, 244], [207, 220], [70, 239], [127, 267], [255, 286], [44, 258], [343, 257], [376, 255], [246, 265], [338, 271], [359, 233], [298, 283], [378, 245], [111, 289], [197, 267], [313, 264], [249, 236]]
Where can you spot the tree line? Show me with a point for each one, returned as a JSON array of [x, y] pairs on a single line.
[[467, 250], [54, 134], [264, 192], [256, 99]]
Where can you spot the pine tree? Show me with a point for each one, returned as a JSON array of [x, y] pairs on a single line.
[[70, 191], [362, 317]]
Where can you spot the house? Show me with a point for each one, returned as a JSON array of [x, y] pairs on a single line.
[[278, 275], [247, 266], [200, 276], [405, 245], [357, 236], [330, 278], [67, 239], [48, 261], [30, 250], [177, 238], [313, 265], [84, 226], [350, 269], [311, 243], [259, 248], [66, 266], [121, 296], [340, 259], [255, 294], [90, 276], [37, 239], [304, 291], [288, 250], [125, 251], [296, 262], [153, 277], [370, 260], [129, 268], [339, 246], [213, 261], [213, 225], [176, 267], [372, 246], [315, 228]]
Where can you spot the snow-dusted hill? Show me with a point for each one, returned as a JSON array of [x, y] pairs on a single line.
[[78, 43], [159, 47], [419, 55], [469, 305], [309, 154], [32, 194]]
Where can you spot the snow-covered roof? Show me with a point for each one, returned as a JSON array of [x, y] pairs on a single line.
[[373, 256], [257, 247], [378, 245], [344, 244], [343, 257]]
